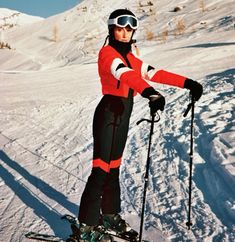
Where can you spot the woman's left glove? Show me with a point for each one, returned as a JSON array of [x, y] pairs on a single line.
[[195, 88], [156, 100]]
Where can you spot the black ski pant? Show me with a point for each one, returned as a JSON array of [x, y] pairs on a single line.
[[110, 129]]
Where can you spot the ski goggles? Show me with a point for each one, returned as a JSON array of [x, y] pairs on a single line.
[[124, 20]]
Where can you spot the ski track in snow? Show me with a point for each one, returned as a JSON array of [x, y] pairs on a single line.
[[167, 194]]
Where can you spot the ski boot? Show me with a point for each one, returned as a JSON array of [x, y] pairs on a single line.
[[93, 234], [114, 224]]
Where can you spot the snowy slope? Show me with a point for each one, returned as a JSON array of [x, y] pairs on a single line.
[[49, 89], [12, 17], [11, 20]]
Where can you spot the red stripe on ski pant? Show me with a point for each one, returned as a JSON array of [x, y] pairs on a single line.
[[105, 166]]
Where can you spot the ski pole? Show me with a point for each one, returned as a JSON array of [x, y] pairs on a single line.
[[146, 177], [190, 106]]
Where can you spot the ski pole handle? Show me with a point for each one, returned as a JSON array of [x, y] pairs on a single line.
[[188, 109], [190, 105]]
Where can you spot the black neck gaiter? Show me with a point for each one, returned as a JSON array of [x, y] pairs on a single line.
[[121, 47]]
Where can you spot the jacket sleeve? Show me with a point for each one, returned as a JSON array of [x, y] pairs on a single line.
[[161, 76], [114, 64]]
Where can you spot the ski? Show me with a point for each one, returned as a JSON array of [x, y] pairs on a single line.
[[44, 237], [123, 237], [73, 221]]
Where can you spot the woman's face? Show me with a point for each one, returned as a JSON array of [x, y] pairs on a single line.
[[123, 34]]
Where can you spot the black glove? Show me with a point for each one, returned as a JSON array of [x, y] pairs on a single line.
[[194, 87], [156, 100]]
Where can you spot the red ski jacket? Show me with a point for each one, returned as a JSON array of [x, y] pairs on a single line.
[[116, 77]]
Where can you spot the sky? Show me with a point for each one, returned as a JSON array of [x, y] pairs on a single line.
[[42, 8]]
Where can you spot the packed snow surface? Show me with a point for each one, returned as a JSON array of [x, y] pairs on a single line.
[[49, 89]]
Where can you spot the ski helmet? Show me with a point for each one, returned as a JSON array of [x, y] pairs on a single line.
[[122, 18]]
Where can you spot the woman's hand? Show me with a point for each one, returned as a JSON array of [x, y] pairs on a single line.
[[156, 100], [195, 88]]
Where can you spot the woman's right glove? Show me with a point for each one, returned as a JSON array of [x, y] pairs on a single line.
[[195, 88], [156, 100]]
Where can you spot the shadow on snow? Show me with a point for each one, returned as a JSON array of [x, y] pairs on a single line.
[[40, 208], [208, 45]]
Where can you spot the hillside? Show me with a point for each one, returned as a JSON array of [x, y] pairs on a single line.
[[49, 88]]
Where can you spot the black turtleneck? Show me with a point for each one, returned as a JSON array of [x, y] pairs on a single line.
[[121, 47]]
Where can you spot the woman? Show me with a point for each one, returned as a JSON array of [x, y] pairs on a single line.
[[122, 75]]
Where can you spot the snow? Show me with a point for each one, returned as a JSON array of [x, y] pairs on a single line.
[[49, 88], [12, 18]]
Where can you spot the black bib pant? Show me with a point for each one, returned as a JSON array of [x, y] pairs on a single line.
[[110, 129]]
